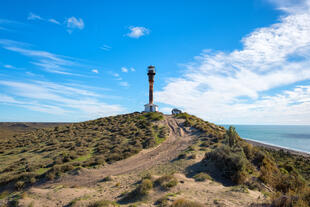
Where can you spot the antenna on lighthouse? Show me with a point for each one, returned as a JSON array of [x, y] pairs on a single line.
[[150, 107]]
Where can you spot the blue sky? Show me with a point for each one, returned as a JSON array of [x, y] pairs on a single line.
[[235, 62]]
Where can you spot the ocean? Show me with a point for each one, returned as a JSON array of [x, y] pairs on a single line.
[[295, 137]]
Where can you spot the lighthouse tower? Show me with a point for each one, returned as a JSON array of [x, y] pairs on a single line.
[[150, 107]]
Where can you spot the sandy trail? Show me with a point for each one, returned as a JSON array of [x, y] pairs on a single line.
[[179, 138]]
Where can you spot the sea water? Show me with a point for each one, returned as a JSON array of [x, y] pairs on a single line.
[[295, 137]]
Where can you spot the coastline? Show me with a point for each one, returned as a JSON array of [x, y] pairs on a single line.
[[260, 144]]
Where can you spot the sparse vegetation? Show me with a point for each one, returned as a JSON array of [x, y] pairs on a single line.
[[48, 153], [240, 188], [185, 203], [166, 182], [202, 177], [162, 202], [103, 203], [140, 192], [107, 178], [242, 163]]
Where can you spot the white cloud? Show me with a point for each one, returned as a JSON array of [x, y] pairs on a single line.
[[75, 23], [33, 16], [115, 74], [136, 32], [9, 66], [123, 83], [124, 70], [229, 87], [54, 21], [53, 98], [106, 47], [95, 71]]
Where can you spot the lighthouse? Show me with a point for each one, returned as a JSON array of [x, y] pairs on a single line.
[[150, 107]]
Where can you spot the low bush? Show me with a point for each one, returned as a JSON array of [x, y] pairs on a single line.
[[240, 189], [140, 192], [103, 203], [232, 163], [200, 177], [19, 185], [185, 203], [107, 178], [166, 182], [162, 202], [154, 116]]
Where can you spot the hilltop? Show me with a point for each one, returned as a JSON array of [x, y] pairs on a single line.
[[147, 159]]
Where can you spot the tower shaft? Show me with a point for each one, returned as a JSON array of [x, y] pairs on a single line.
[[151, 87]]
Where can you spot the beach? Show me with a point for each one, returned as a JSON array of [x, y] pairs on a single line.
[[259, 144]]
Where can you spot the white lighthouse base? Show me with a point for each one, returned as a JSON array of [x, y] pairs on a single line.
[[150, 108]]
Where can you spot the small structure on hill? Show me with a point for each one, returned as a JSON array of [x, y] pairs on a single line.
[[176, 111], [150, 107]]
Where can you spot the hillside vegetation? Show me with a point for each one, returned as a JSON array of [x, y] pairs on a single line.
[[286, 176], [209, 155], [47, 153]]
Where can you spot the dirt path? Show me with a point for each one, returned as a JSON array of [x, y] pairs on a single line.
[[179, 139]]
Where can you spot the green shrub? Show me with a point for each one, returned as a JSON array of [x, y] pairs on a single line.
[[140, 192], [107, 178], [162, 202], [154, 116], [202, 177], [4, 194], [103, 203], [232, 163], [148, 176], [185, 203], [240, 188], [19, 185], [32, 180], [166, 182]]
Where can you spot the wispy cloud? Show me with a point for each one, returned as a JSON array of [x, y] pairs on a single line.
[[71, 23], [56, 98], [33, 16], [106, 47], [54, 21], [137, 32], [231, 87], [47, 61], [9, 25]]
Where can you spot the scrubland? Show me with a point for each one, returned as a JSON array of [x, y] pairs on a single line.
[[147, 159]]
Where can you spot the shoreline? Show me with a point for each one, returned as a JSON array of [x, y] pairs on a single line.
[[274, 147]]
